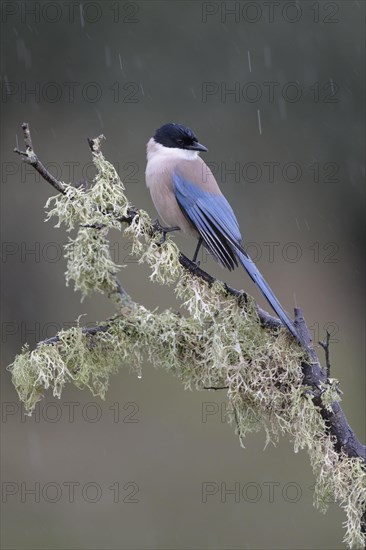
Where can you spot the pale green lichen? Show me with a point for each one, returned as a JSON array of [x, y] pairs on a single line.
[[100, 209], [89, 262], [107, 191], [216, 342], [76, 357], [140, 231], [163, 259], [331, 393], [103, 204]]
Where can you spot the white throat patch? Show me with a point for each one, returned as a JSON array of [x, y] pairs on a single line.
[[157, 150]]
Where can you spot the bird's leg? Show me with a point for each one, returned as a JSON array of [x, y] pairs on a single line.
[[200, 241], [158, 227]]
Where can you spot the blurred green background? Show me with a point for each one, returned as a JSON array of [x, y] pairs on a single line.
[[265, 87]]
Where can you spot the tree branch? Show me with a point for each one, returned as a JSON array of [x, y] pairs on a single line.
[[314, 376], [315, 379]]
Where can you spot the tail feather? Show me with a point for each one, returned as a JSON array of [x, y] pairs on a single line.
[[262, 284]]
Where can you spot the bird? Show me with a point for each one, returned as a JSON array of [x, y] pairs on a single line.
[[187, 197]]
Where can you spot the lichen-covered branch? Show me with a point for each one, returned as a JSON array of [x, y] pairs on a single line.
[[220, 339]]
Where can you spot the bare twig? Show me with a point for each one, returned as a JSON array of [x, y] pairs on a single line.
[[326, 347], [30, 157]]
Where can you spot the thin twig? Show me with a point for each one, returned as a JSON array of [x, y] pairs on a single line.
[[326, 347], [30, 157]]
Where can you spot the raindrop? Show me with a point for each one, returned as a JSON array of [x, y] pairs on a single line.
[[259, 121], [81, 15], [23, 53], [99, 118], [120, 63], [107, 52], [331, 84], [249, 62]]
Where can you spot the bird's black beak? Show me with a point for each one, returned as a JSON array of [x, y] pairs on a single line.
[[197, 147]]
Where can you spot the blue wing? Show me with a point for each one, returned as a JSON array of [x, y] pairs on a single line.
[[213, 218], [215, 221]]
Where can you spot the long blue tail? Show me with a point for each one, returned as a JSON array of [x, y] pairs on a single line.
[[262, 284]]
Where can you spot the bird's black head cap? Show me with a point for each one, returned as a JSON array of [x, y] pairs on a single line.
[[178, 136]]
